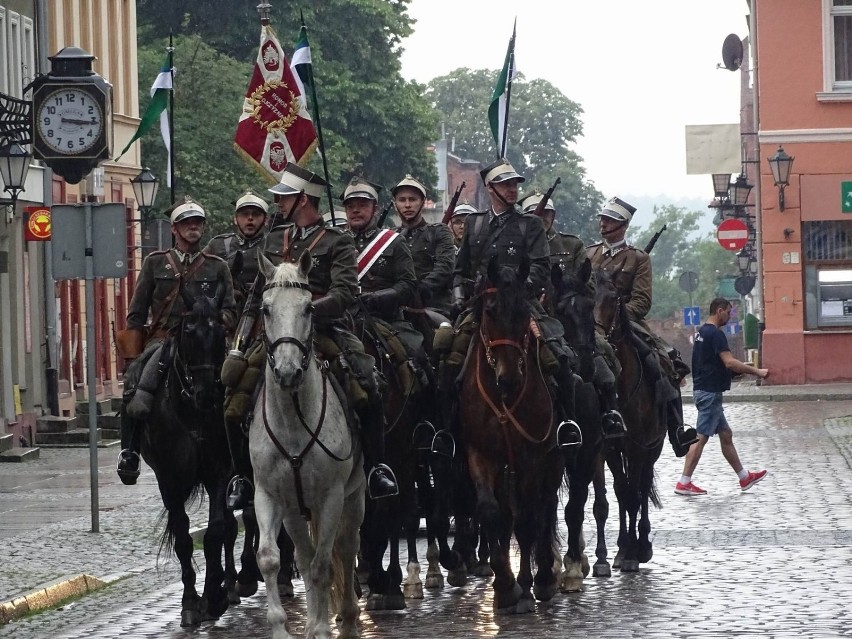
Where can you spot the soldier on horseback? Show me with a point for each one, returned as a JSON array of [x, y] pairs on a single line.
[[504, 233], [631, 272], [569, 253], [157, 290], [333, 282], [457, 221]]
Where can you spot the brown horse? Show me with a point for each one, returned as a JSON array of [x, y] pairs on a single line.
[[507, 430], [632, 466]]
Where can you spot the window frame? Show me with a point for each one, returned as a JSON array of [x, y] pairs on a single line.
[[833, 90], [812, 266]]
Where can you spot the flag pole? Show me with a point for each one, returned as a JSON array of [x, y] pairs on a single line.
[[171, 51], [509, 88], [318, 123]]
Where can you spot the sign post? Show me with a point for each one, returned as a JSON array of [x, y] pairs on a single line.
[[732, 234]]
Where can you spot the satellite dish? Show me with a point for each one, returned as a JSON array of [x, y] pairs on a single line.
[[732, 52]]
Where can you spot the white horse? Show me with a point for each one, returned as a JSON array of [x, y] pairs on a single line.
[[307, 462]]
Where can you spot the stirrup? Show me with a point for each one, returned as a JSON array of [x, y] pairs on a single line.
[[423, 435], [686, 436], [568, 435], [612, 424], [444, 444], [382, 472], [239, 493], [127, 466]]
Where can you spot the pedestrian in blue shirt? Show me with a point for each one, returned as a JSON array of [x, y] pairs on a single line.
[[712, 366]]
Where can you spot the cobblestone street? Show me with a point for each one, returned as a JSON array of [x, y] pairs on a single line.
[[770, 562]]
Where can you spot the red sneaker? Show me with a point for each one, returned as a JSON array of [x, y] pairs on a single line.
[[689, 489], [752, 479]]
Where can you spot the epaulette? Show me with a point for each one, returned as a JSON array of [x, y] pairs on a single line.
[[161, 252], [568, 235], [596, 244], [336, 229], [212, 256]]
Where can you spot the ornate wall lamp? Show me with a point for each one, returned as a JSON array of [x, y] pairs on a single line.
[[14, 166], [781, 164]]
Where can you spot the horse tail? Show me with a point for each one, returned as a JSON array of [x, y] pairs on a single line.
[[653, 494], [176, 520]]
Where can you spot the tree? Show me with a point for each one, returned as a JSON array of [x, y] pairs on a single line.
[[374, 122], [542, 124]]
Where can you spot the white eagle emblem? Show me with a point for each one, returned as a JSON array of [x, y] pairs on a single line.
[[270, 57]]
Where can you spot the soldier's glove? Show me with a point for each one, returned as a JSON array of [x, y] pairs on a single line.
[[459, 302], [327, 306], [383, 303]]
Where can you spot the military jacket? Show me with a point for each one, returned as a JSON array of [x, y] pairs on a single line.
[[631, 272], [510, 239], [394, 269], [227, 245], [158, 279], [434, 255], [566, 250], [333, 271]]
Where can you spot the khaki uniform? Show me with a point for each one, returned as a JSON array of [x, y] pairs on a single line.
[[631, 272], [227, 246], [157, 280], [433, 253]]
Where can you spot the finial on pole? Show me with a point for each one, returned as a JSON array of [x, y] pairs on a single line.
[[264, 9]]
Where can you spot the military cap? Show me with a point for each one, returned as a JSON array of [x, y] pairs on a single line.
[[189, 208], [412, 183], [250, 199], [359, 187], [463, 209], [618, 209], [529, 203], [500, 171], [295, 179]]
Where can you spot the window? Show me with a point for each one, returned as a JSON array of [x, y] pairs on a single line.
[[827, 249], [837, 50], [4, 71], [17, 60]]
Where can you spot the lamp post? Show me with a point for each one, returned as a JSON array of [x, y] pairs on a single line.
[[740, 190], [781, 164], [14, 166], [721, 184], [145, 187], [743, 259]]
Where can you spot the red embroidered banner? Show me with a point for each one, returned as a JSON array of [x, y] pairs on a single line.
[[274, 127]]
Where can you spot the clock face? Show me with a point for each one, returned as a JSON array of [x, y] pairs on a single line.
[[70, 121]]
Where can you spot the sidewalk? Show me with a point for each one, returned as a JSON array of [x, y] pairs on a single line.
[[746, 389]]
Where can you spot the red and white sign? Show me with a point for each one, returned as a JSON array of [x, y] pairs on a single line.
[[732, 234]]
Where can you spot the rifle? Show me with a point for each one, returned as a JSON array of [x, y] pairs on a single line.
[[650, 245], [452, 205], [384, 216], [543, 202]]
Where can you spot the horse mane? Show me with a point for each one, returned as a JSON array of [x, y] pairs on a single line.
[[287, 272], [603, 280]]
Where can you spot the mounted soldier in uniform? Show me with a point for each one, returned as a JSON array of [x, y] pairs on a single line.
[[157, 291], [457, 221], [568, 252], [333, 282], [631, 272], [505, 234]]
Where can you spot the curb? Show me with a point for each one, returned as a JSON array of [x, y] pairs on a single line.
[[52, 594], [730, 398]]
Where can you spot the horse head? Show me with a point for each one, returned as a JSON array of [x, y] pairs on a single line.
[[610, 315], [505, 323], [201, 346], [574, 306], [287, 320]]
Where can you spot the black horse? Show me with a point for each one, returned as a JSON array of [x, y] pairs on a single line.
[[184, 442]]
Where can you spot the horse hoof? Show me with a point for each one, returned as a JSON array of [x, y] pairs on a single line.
[[285, 588], [629, 565], [525, 605], [213, 609], [506, 601], [543, 593], [645, 555], [434, 581], [601, 569], [189, 618], [395, 602], [376, 602], [570, 584], [584, 564], [616, 563], [413, 591], [233, 595], [483, 570], [247, 589], [457, 578]]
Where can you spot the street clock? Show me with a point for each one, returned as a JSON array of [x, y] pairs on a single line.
[[72, 115]]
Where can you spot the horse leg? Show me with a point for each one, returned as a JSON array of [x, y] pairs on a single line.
[[346, 549], [545, 540], [177, 533], [645, 549], [600, 509], [440, 522], [571, 579], [525, 526], [249, 573], [374, 543], [394, 599], [269, 517], [629, 561], [285, 574], [230, 565], [214, 599], [412, 587]]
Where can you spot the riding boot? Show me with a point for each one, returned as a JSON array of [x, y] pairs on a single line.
[[128, 459], [680, 437], [240, 491], [380, 478], [612, 423], [568, 433], [444, 441]]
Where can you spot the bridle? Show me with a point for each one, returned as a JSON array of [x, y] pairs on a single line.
[[488, 344], [304, 348]]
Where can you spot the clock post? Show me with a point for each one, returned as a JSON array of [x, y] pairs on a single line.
[[72, 115]]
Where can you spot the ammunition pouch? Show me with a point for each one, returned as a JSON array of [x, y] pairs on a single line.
[[130, 342]]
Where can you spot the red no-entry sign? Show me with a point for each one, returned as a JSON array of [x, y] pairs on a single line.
[[732, 234]]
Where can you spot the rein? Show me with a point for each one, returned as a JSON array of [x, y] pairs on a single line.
[[305, 349], [619, 339]]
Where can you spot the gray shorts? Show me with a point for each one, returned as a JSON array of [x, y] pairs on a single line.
[[711, 415]]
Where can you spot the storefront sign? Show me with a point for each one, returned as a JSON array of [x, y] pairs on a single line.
[[37, 224], [846, 197]]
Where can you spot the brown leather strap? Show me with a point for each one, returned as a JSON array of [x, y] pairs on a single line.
[[310, 246], [169, 302]]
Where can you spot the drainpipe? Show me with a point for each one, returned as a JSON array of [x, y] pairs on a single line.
[[758, 214], [52, 363]]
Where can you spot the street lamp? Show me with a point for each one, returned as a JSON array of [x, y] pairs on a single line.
[[743, 259], [14, 166], [721, 184], [781, 164], [752, 266], [740, 190], [145, 186]]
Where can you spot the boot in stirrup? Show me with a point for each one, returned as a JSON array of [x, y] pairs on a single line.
[[568, 435], [612, 425], [381, 482]]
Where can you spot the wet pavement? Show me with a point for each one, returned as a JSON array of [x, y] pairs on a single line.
[[770, 562]]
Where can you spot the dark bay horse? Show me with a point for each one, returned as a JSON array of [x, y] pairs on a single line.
[[507, 429], [184, 442], [574, 306], [632, 467]]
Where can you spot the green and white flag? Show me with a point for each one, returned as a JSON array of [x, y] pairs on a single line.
[[498, 112], [300, 63], [157, 109]]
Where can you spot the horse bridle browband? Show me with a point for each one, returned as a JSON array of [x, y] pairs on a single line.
[[305, 349]]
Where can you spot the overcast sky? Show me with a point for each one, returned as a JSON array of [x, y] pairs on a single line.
[[640, 70]]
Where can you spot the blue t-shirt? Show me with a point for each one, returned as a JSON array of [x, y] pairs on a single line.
[[708, 370]]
